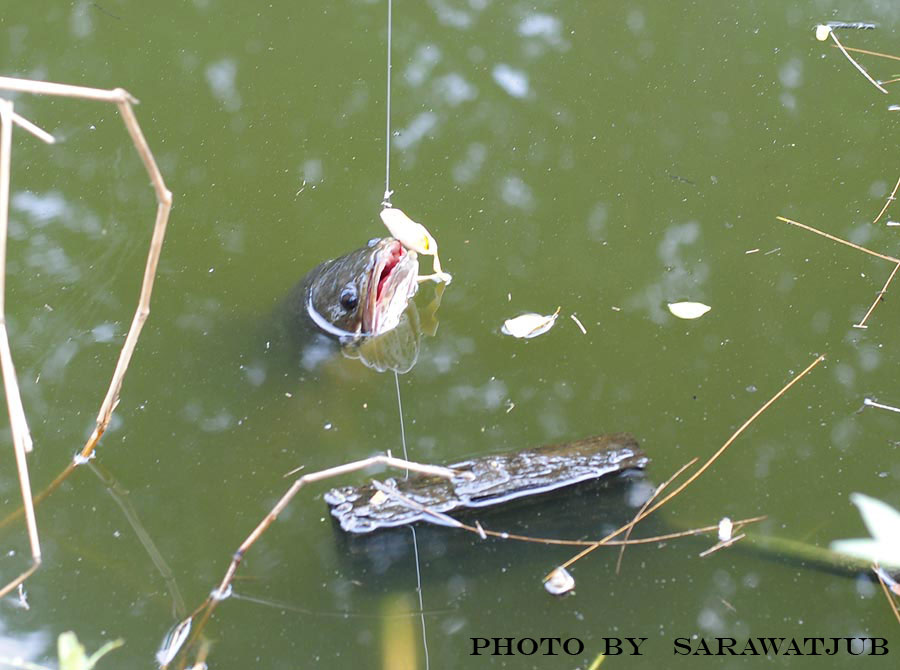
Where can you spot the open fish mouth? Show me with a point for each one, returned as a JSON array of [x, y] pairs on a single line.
[[391, 284]]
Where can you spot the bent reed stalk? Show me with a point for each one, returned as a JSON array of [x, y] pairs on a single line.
[[18, 425]]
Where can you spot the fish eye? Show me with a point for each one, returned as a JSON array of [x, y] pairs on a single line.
[[349, 297]]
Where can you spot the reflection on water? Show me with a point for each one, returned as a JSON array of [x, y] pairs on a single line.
[[610, 158]]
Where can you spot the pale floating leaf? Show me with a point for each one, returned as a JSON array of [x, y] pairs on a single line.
[[559, 582], [529, 325], [883, 522], [822, 32], [688, 310], [726, 529], [173, 642]]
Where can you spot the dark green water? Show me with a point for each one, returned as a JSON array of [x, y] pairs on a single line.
[[605, 157]]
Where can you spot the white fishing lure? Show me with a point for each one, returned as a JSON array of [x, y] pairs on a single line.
[[414, 236]]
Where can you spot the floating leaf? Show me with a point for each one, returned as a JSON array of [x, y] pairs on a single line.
[[529, 325], [172, 643], [688, 310], [883, 522], [559, 582]]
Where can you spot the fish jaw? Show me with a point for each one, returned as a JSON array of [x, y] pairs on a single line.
[[391, 284]]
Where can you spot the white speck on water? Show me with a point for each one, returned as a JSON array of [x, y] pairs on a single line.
[[328, 426]]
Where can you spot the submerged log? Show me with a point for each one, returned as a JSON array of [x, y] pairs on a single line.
[[485, 481]]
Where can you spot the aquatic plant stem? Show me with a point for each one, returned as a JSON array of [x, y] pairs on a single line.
[[690, 480], [18, 425], [895, 261]]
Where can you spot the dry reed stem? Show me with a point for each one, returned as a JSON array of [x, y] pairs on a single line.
[[721, 545], [887, 593], [878, 297], [123, 101], [895, 261], [18, 424], [222, 592], [699, 472], [647, 503], [890, 199], [484, 533], [868, 53], [838, 239], [27, 125], [859, 67]]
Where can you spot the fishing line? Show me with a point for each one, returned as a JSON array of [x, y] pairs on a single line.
[[386, 202], [411, 528], [387, 136]]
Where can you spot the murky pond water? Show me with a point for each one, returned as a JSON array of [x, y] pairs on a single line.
[[606, 158]]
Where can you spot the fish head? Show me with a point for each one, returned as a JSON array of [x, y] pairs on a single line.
[[365, 292]]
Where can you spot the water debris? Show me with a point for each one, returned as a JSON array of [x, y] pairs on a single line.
[[868, 402], [688, 310], [173, 642], [824, 31], [578, 323], [893, 223], [378, 499], [751, 251], [726, 529], [482, 482], [414, 236], [559, 582], [529, 325], [851, 25], [888, 581], [883, 523]]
